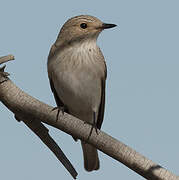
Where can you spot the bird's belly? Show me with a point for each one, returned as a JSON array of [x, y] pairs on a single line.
[[80, 92]]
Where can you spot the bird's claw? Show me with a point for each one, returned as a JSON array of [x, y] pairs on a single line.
[[59, 109], [93, 127]]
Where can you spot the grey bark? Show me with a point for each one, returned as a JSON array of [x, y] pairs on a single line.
[[31, 109]]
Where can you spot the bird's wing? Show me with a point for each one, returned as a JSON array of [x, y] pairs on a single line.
[[102, 105], [103, 86], [59, 101], [57, 98]]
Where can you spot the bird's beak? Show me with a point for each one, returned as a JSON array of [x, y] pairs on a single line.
[[107, 26]]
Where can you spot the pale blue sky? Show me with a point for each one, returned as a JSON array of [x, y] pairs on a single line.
[[142, 108]]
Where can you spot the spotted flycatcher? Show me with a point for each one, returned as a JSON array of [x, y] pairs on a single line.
[[77, 74]]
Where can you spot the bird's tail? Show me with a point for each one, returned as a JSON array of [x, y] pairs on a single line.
[[90, 154]]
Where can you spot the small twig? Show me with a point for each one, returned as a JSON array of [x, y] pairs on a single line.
[[7, 58]]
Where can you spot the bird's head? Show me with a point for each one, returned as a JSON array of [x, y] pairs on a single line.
[[80, 28]]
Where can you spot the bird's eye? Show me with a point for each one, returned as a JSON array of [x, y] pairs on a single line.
[[83, 25]]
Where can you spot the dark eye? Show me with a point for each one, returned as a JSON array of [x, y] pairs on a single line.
[[83, 25]]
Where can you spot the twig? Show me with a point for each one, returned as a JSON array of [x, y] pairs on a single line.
[[6, 58]]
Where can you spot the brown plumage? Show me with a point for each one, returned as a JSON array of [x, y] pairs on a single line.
[[77, 74]]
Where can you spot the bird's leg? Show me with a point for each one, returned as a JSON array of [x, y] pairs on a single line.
[[95, 122], [93, 125], [59, 109]]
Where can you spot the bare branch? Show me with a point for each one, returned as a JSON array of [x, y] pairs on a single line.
[[30, 108]]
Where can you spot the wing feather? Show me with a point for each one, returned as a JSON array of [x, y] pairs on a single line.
[[57, 98], [102, 105]]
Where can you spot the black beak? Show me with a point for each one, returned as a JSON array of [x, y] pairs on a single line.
[[107, 26]]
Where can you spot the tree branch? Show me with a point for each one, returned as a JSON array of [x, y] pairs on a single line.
[[30, 108], [39, 129], [42, 132]]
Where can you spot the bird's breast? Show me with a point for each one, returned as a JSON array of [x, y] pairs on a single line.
[[77, 73]]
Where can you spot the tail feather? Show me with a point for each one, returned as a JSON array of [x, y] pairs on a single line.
[[90, 154]]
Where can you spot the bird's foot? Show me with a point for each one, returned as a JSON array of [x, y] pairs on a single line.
[[93, 126], [59, 109]]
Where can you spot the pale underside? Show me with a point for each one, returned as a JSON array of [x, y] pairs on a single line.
[[78, 74]]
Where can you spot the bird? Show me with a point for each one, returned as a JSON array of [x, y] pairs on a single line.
[[77, 74]]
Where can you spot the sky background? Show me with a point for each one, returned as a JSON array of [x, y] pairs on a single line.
[[142, 106]]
